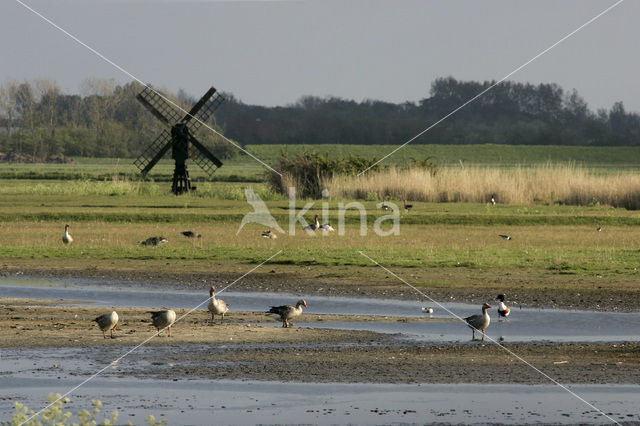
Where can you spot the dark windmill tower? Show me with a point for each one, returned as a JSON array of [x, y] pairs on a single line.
[[180, 137]]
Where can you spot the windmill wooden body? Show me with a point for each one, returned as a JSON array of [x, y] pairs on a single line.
[[180, 137]]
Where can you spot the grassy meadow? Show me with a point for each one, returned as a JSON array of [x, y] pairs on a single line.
[[440, 244]]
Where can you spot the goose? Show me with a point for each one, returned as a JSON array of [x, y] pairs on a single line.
[[163, 319], [154, 241], [286, 312], [407, 207], [66, 238], [493, 200], [107, 322], [479, 322], [269, 234], [599, 228], [503, 310], [327, 227], [191, 234], [315, 225], [384, 206], [216, 306], [504, 237]]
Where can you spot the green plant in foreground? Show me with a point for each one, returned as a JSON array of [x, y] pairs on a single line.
[[55, 415]]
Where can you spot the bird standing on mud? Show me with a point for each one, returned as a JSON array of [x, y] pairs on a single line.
[[163, 319], [216, 306], [107, 322], [479, 322], [286, 312]]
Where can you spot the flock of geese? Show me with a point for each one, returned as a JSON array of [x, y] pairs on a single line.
[[165, 318]]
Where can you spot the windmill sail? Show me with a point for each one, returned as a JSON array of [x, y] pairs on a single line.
[[159, 106], [154, 152]]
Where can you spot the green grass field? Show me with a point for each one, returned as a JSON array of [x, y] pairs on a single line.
[[440, 244]]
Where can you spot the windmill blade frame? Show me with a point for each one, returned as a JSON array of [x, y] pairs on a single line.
[[200, 154], [206, 106], [158, 106], [154, 152]]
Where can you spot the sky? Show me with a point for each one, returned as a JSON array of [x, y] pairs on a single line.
[[274, 52]]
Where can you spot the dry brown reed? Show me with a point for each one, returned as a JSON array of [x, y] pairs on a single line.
[[543, 184]]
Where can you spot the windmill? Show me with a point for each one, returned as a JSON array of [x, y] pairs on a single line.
[[179, 137]]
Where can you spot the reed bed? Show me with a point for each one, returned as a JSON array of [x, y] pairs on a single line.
[[544, 184]]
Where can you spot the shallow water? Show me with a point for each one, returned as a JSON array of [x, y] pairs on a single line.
[[251, 402], [524, 325]]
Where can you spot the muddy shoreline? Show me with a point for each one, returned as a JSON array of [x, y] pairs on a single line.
[[254, 346]]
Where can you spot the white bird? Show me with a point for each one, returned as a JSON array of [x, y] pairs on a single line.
[[315, 225], [66, 238], [216, 306], [286, 312], [503, 309], [107, 322], [269, 234], [326, 227], [493, 200], [479, 322], [428, 310], [163, 319]]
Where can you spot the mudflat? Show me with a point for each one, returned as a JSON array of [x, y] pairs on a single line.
[[250, 345]]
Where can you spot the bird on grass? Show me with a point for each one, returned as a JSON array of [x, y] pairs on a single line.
[[107, 322], [163, 319], [326, 227], [315, 225], [505, 237], [191, 234], [269, 234], [479, 322], [493, 200], [599, 228], [66, 238], [503, 309], [286, 312], [154, 241], [384, 206], [216, 306], [407, 207]]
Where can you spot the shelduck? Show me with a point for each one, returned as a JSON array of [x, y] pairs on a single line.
[[326, 227], [216, 306], [479, 322], [163, 319], [66, 238], [107, 322], [504, 237], [154, 241], [503, 310], [286, 312], [315, 225], [428, 310], [191, 234], [269, 234]]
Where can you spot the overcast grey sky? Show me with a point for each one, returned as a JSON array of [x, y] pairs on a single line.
[[274, 52]]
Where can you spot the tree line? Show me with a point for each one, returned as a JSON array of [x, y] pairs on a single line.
[[106, 120]]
